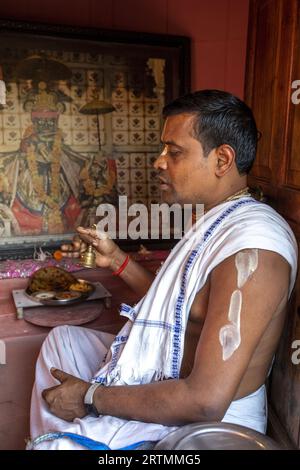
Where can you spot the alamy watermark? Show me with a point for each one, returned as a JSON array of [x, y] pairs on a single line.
[[296, 94], [138, 221], [296, 354], [2, 352]]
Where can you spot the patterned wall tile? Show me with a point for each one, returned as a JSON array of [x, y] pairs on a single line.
[[12, 106], [80, 137], [94, 78], [136, 123], [120, 137], [124, 189], [122, 160], [151, 159], [123, 175], [152, 176], [11, 121], [138, 175], [79, 122], [119, 94], [92, 122], [152, 123], [151, 109], [118, 79], [137, 160], [152, 137], [94, 92], [139, 190], [153, 190], [136, 95], [120, 123], [136, 109], [121, 107], [11, 136], [136, 138], [94, 138]]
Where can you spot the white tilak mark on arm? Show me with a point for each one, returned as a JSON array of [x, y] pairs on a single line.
[[230, 335], [246, 263]]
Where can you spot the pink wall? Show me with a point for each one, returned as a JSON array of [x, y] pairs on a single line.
[[218, 28]]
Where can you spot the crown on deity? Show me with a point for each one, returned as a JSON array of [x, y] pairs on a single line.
[[43, 102]]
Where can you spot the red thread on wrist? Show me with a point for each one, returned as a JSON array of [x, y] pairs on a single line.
[[122, 267]]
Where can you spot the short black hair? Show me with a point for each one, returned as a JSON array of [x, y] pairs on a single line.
[[220, 118]]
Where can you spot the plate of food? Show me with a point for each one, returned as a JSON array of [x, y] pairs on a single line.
[[55, 286]]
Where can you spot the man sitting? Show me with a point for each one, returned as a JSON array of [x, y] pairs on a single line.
[[200, 343]]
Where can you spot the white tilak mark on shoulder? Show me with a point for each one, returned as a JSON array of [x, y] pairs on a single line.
[[230, 335], [246, 263]]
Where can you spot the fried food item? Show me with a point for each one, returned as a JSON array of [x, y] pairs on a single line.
[[50, 279], [80, 286]]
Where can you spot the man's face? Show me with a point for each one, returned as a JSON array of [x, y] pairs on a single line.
[[185, 175]]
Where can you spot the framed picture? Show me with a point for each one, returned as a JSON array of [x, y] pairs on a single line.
[[80, 125]]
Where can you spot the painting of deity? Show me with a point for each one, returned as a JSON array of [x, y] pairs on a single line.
[[80, 125]]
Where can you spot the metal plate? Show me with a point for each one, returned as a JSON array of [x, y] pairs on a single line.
[[216, 436], [72, 296]]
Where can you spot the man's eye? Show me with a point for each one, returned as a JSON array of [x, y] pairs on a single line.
[[174, 153]]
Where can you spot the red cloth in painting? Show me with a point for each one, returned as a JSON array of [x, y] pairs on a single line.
[[31, 224]]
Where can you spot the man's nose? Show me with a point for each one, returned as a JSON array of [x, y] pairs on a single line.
[[161, 162]]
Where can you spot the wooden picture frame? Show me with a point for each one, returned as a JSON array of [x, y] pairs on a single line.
[[60, 156]]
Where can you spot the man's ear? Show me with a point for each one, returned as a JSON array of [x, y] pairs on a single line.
[[225, 159]]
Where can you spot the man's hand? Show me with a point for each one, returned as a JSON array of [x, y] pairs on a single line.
[[66, 400], [108, 254]]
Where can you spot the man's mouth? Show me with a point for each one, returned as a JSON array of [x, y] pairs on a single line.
[[163, 184]]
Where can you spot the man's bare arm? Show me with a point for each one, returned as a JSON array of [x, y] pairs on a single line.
[[208, 391], [221, 360]]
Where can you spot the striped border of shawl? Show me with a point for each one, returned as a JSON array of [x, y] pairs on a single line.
[[180, 299]]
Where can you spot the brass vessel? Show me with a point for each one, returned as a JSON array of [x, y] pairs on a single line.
[[88, 258]]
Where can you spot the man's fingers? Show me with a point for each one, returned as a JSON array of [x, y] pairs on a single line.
[[87, 238], [83, 247], [45, 393], [67, 248], [59, 374], [87, 231]]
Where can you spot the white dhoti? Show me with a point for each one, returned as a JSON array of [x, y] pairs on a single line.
[[150, 346], [79, 351]]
